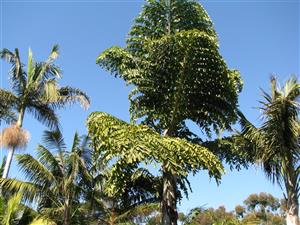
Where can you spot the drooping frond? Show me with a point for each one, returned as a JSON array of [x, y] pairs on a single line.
[[277, 140], [69, 95], [35, 171], [50, 161], [54, 140], [133, 144], [18, 77], [12, 209], [30, 191], [44, 113], [8, 103]]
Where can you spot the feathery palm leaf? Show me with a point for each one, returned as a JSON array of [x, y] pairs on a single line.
[[36, 91], [277, 140], [54, 177]]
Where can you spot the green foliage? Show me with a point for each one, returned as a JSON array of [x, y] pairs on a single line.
[[14, 212], [173, 62], [264, 201], [36, 89], [164, 92], [131, 144], [178, 74], [53, 178], [237, 151], [276, 142]]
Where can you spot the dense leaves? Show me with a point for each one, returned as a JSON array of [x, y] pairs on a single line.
[[178, 75], [132, 144]]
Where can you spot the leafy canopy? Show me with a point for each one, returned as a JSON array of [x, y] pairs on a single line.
[[172, 60]]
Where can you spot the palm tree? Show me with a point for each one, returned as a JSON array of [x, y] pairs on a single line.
[[35, 91], [276, 142], [54, 178]]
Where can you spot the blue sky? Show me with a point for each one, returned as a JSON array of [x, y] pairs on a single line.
[[259, 38]]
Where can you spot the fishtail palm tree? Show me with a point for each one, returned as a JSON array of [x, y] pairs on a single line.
[[54, 178], [277, 141], [36, 91]]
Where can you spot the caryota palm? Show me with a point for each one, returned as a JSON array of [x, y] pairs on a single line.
[[35, 91], [173, 63], [53, 178], [276, 142]]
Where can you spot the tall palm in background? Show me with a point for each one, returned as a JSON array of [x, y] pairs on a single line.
[[35, 91], [277, 141]]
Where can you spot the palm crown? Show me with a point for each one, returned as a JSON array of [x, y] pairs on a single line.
[[35, 91], [276, 142]]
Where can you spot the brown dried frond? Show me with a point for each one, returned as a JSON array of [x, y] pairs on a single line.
[[14, 137]]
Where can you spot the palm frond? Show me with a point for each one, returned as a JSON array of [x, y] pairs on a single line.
[[7, 98], [35, 171], [30, 191], [47, 69], [69, 95], [44, 71], [54, 140], [12, 208], [8, 104], [18, 77], [50, 90], [44, 114], [277, 139], [50, 161]]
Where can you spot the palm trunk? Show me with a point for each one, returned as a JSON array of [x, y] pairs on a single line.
[[292, 213], [12, 150], [66, 215], [112, 219], [67, 211], [292, 217], [169, 200]]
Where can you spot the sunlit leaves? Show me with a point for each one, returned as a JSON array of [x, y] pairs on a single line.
[[132, 144]]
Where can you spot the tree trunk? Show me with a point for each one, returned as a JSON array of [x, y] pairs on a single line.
[[66, 213], [292, 212], [169, 214], [12, 150], [169, 200], [8, 162]]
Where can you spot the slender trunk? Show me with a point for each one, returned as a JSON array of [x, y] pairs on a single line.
[[168, 16], [12, 150], [112, 217], [168, 203], [292, 213], [169, 198], [67, 212]]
